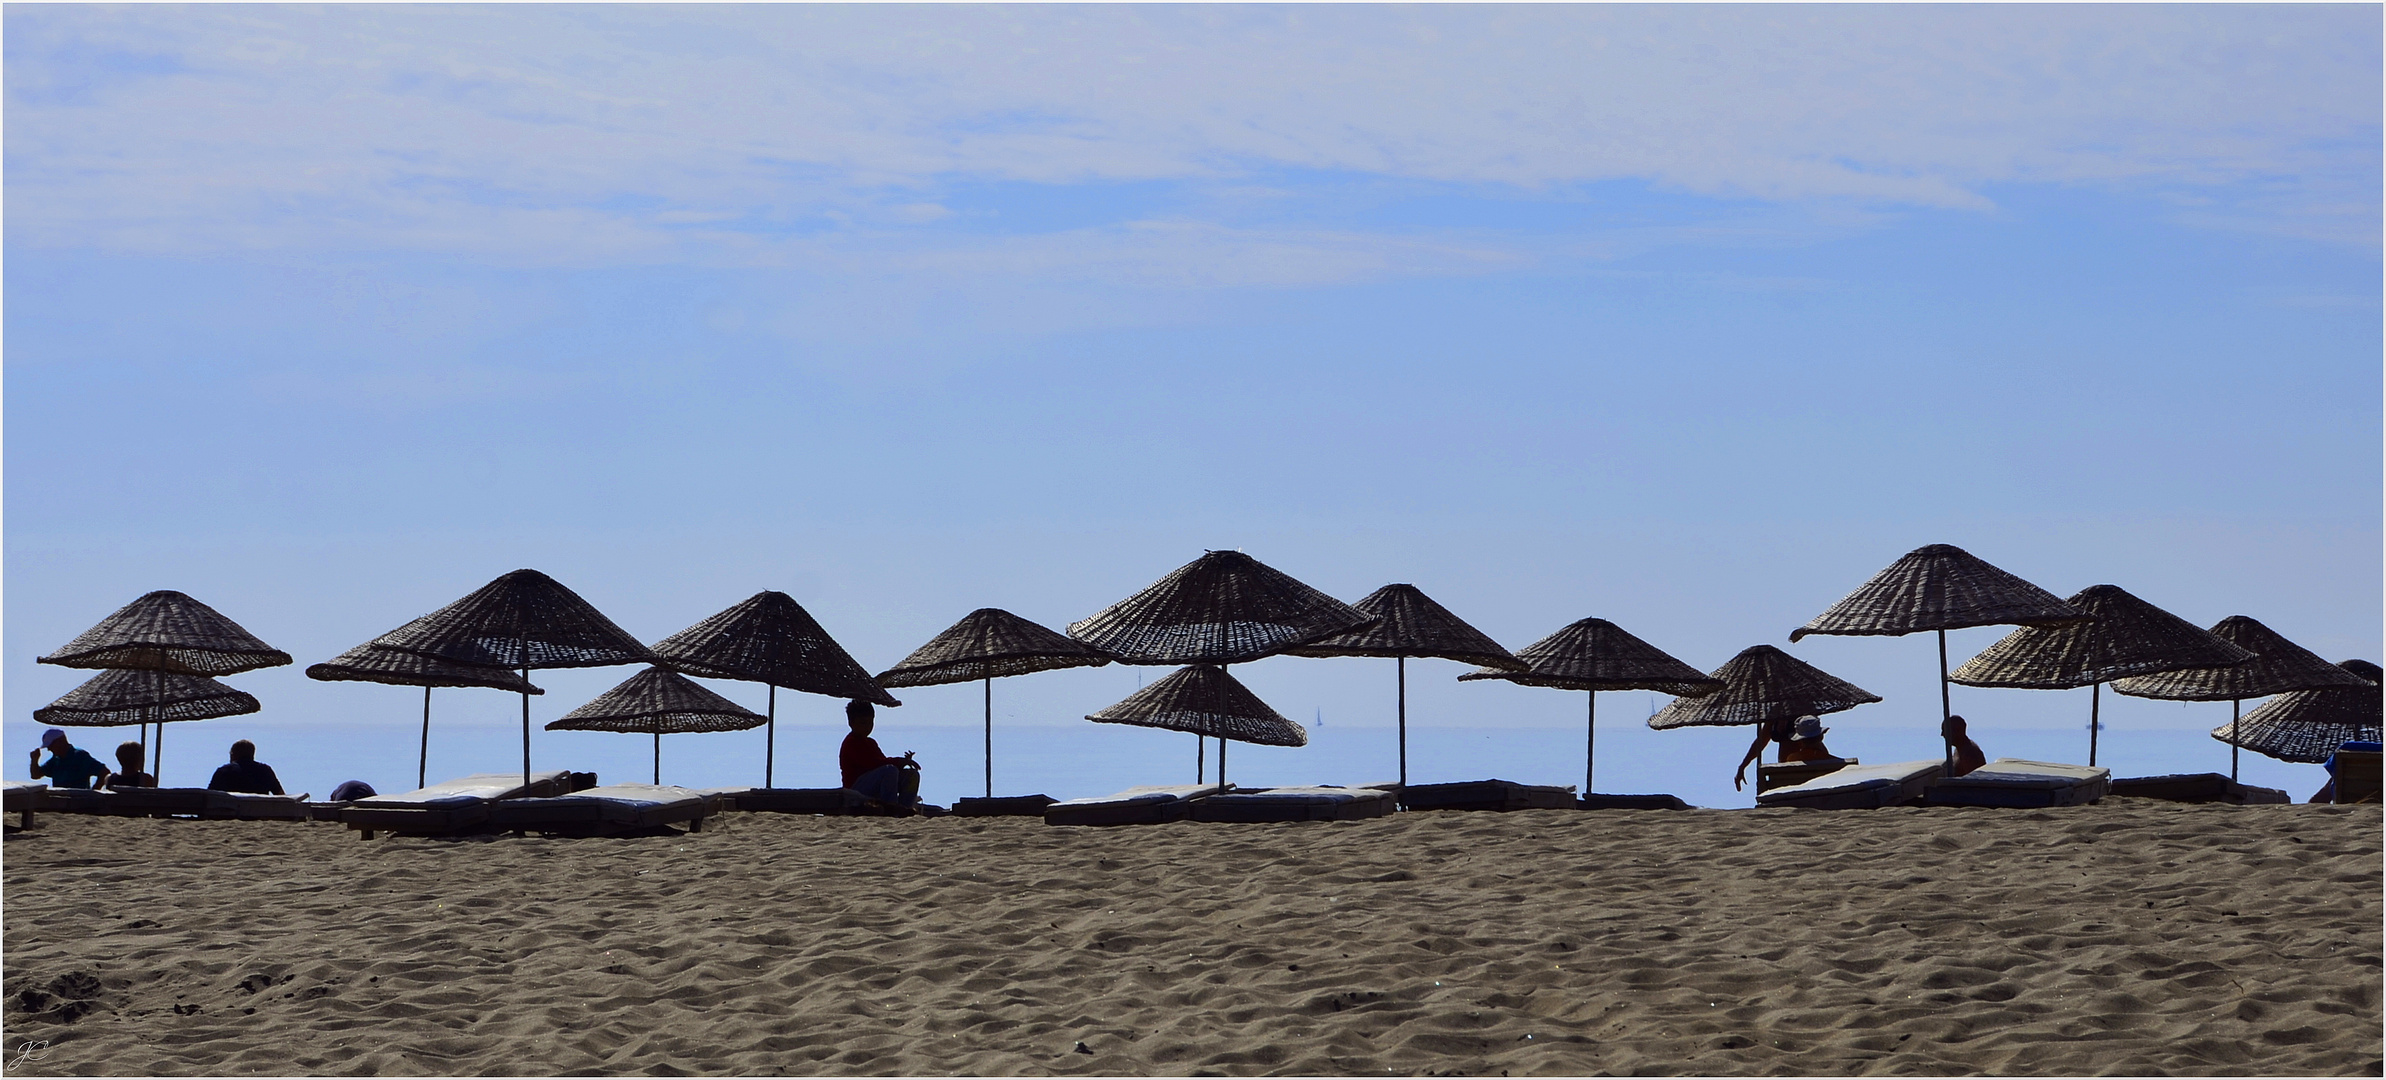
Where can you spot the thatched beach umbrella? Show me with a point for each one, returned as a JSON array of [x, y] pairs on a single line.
[[1205, 700], [171, 632], [1939, 587], [1408, 623], [1593, 655], [2308, 725], [1222, 608], [522, 620], [2278, 666], [1763, 683], [658, 702], [377, 663], [770, 639], [126, 696], [2127, 636], [988, 644]]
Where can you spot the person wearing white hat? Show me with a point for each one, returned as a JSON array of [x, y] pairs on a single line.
[[68, 766], [1800, 739]]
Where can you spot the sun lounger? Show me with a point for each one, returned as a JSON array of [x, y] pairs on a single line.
[[19, 796], [2018, 783], [1294, 804], [1003, 806], [1783, 774], [613, 810], [1859, 787], [1499, 795], [794, 800], [1134, 806], [2208, 787], [1633, 802], [193, 802], [451, 807], [2355, 772], [240, 806]]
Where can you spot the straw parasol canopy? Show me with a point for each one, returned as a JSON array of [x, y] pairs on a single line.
[[522, 620], [376, 663], [1409, 623], [2278, 666], [1764, 683], [168, 631], [989, 644], [2308, 725], [1222, 608], [2127, 637], [119, 697], [658, 702], [1594, 655], [1205, 700], [770, 639], [1939, 587]]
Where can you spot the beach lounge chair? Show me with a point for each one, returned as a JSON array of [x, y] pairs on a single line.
[[1134, 806], [2018, 783], [1498, 795], [2210, 787], [1294, 804], [794, 800], [613, 810], [1003, 806], [192, 802], [454, 806], [2354, 773], [1633, 802], [18, 797], [1859, 787], [240, 806], [1782, 774]]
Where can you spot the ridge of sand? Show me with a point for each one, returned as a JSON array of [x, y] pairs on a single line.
[[2128, 937]]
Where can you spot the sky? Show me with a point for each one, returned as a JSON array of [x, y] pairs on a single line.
[[1691, 318]]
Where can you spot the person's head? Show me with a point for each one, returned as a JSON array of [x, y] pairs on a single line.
[[55, 742], [860, 716], [1951, 728], [1807, 728], [129, 756], [244, 751]]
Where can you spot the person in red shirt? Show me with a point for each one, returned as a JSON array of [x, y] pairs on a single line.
[[867, 769], [1968, 755]]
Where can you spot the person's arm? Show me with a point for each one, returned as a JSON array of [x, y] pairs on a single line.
[[1755, 750], [37, 764], [272, 781]]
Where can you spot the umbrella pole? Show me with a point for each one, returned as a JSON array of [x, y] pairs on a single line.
[[158, 770], [1590, 738], [1402, 662], [2234, 720], [989, 681], [1946, 706], [1221, 762], [2095, 694], [422, 765], [658, 757], [1201, 746], [770, 733]]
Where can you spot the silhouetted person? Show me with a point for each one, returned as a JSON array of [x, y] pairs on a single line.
[[867, 769], [244, 773], [128, 772], [67, 767], [1968, 755], [352, 790], [1800, 739]]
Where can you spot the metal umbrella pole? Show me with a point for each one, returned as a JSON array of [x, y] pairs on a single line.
[[2234, 721], [422, 764], [1590, 739], [770, 733], [2095, 694], [1402, 666], [1946, 705]]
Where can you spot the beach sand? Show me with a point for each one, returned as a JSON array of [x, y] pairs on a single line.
[[2128, 937]]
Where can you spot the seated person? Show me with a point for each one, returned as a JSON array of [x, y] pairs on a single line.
[[867, 769], [1800, 739], [1968, 755], [68, 766], [245, 774], [128, 771]]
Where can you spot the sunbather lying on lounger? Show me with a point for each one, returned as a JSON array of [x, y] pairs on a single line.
[[1968, 755], [867, 769], [1800, 739]]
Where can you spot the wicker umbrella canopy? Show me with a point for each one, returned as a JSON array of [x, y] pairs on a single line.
[[1763, 683], [1222, 608], [2278, 666], [2127, 637], [770, 639], [2308, 725], [1205, 700], [522, 620], [1939, 587], [168, 631], [1409, 623], [123, 696], [989, 644], [658, 701], [1593, 655], [377, 663]]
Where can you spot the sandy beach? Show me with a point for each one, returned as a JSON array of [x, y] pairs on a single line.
[[2127, 937]]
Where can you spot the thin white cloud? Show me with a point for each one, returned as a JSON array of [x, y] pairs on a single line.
[[749, 133]]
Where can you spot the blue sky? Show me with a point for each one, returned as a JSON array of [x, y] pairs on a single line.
[[1689, 318]]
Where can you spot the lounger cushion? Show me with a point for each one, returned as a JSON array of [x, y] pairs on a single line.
[[794, 800], [450, 806], [1294, 804], [2208, 787], [611, 808], [1858, 787], [2019, 783], [1134, 806], [1003, 806], [1633, 802], [1498, 795]]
